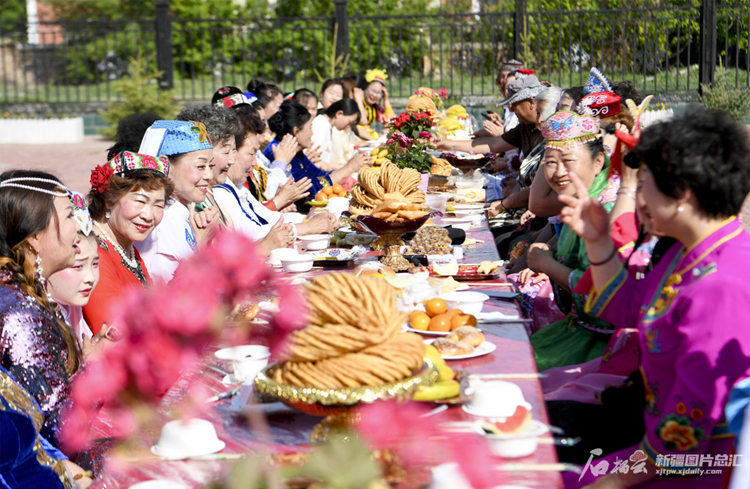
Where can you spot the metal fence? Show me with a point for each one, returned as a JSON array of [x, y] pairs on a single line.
[[658, 49]]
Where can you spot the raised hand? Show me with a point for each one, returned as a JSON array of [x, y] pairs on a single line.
[[291, 192], [286, 149], [583, 215]]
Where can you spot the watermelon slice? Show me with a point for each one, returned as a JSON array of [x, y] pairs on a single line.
[[515, 425]]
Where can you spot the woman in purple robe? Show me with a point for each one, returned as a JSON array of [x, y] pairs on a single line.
[[692, 310]]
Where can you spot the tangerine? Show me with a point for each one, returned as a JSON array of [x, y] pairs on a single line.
[[454, 312], [327, 190], [440, 323], [321, 197], [463, 320], [420, 321], [337, 189], [435, 307]]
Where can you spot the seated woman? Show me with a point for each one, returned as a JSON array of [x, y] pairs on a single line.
[[305, 97], [269, 96], [294, 119], [331, 92], [189, 152], [336, 118], [127, 200], [38, 232], [376, 104], [693, 177], [574, 143], [27, 459], [248, 215], [71, 287]]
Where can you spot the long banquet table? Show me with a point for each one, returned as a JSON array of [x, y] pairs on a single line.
[[290, 430]]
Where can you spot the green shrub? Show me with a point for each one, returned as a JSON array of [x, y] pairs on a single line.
[[722, 96], [136, 92]]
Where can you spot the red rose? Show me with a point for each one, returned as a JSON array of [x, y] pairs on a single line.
[[100, 178]]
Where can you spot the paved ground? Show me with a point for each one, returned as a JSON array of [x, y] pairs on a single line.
[[73, 162], [70, 162]]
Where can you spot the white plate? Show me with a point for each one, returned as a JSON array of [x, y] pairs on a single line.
[[426, 333], [333, 254], [485, 348], [158, 484], [217, 447]]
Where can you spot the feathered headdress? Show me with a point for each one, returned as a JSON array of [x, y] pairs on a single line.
[[376, 75]]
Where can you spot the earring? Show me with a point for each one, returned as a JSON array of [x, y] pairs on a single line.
[[106, 216], [39, 270], [680, 209]]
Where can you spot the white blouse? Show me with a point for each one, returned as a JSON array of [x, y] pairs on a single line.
[[323, 137], [172, 241], [249, 216]]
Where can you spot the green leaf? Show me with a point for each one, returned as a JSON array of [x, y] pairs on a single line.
[[342, 464]]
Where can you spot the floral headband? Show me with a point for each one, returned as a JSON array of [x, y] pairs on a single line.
[[565, 130], [126, 162], [81, 213]]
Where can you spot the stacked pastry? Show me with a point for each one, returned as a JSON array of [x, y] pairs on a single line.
[[353, 337], [390, 183]]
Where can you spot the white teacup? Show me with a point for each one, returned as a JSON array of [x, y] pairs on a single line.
[[244, 362], [276, 255], [184, 439], [496, 399], [337, 205]]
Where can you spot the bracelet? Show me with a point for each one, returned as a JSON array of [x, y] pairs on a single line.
[[611, 255], [83, 474], [628, 188], [626, 192]]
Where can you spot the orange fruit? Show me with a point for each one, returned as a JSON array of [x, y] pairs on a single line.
[[440, 323], [435, 307], [420, 321], [463, 320], [337, 189], [328, 190], [321, 197], [341, 194], [454, 312], [415, 312]]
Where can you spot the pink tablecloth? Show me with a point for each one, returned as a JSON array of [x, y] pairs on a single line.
[[290, 430]]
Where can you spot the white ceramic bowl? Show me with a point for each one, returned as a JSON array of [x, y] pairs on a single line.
[[244, 362], [494, 399], [513, 446], [297, 264], [468, 212], [315, 242], [275, 257], [459, 225], [337, 205], [468, 302], [183, 439]]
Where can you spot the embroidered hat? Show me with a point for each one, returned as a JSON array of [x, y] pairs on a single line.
[[520, 73], [523, 88], [376, 75], [251, 98], [81, 212], [601, 105], [125, 162], [511, 65], [596, 83], [229, 97], [174, 138], [565, 130]]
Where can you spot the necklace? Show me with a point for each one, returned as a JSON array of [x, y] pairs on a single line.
[[130, 261]]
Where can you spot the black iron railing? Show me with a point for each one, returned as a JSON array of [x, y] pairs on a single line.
[[659, 49]]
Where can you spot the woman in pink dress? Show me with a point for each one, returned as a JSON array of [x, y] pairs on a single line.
[[691, 310]]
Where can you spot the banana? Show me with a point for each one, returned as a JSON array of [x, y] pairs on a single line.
[[446, 373], [431, 353], [440, 390]]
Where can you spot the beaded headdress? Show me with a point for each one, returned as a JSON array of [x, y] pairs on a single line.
[[596, 83], [230, 97], [376, 75], [565, 130], [166, 138], [125, 162], [80, 209], [601, 105]]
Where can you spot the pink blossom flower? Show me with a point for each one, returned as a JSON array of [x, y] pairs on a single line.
[[443, 92], [425, 134]]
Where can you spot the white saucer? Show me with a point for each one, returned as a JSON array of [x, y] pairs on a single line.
[[159, 484], [467, 408], [217, 447]]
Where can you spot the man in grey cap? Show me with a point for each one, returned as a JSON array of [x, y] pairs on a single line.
[[507, 67], [526, 136]]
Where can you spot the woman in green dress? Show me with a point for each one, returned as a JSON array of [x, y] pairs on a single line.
[[574, 143]]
